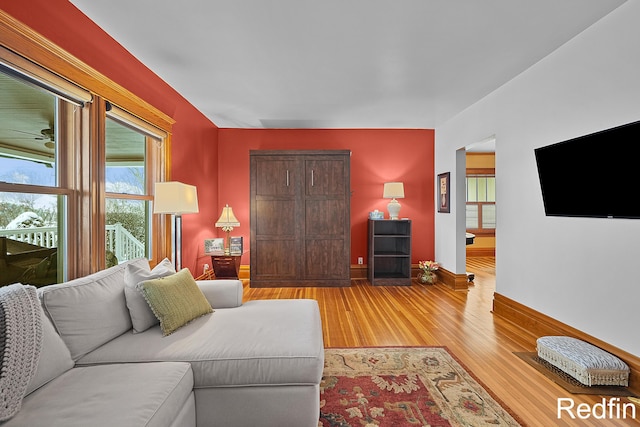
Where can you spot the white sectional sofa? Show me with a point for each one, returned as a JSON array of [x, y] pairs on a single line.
[[257, 363]]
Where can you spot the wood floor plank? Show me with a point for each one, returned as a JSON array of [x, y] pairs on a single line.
[[421, 315]]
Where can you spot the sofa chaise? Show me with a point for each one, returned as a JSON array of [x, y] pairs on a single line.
[[257, 363]]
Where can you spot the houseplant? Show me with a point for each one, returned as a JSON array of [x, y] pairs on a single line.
[[427, 271]]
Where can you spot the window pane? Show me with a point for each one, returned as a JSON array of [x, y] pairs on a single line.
[[482, 189], [27, 136], [30, 236], [488, 216], [472, 189], [472, 216], [127, 225], [125, 153], [491, 189]]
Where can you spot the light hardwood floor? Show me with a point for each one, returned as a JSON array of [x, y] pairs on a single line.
[[421, 315]]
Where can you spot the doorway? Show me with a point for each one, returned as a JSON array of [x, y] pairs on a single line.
[[479, 176]]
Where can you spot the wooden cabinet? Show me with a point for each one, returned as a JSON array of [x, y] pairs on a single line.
[[389, 260], [300, 218]]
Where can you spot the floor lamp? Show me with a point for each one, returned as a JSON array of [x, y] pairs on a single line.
[[175, 198]]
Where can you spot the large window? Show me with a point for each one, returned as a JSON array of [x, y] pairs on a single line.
[[35, 127], [76, 171], [127, 187], [481, 204]]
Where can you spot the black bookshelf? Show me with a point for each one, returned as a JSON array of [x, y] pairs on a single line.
[[389, 261]]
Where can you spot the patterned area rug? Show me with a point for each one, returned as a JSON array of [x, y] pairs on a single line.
[[408, 386]]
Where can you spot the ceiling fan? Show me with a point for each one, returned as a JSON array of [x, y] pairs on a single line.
[[50, 134], [45, 134]]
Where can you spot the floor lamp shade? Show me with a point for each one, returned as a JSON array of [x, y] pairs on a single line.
[[175, 198], [393, 191]]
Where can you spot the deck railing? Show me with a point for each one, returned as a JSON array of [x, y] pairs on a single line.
[[118, 240], [123, 244], [47, 237]]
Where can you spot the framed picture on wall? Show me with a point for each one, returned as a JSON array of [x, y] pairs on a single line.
[[443, 192], [214, 246]]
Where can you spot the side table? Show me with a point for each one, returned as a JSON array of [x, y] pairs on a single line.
[[226, 266]]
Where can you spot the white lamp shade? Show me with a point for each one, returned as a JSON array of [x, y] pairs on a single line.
[[227, 218], [175, 198], [393, 190]]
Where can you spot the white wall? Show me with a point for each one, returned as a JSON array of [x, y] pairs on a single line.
[[583, 272]]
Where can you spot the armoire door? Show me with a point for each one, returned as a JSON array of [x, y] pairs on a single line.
[[275, 242], [327, 219], [300, 218]]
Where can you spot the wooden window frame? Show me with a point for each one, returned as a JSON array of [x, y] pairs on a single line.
[[483, 232]]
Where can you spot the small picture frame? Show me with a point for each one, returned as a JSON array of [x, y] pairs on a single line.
[[235, 245], [444, 193], [214, 246]]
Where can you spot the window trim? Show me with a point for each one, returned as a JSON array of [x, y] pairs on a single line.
[[19, 67]]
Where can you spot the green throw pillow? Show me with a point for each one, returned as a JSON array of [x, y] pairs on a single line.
[[175, 300]]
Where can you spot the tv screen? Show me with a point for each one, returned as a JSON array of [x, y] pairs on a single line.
[[594, 175]]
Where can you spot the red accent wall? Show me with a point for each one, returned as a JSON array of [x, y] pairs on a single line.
[[217, 160], [377, 156]]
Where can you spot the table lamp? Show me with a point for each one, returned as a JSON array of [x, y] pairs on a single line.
[[175, 198], [227, 221], [393, 191]]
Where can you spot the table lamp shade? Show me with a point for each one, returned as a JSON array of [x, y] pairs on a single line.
[[175, 198], [227, 218], [393, 190]]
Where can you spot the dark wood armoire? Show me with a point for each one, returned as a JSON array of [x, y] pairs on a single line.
[[300, 218]]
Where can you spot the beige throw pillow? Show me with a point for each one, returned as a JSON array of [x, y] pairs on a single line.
[[175, 300]]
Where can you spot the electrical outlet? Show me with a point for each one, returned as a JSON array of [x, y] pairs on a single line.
[[360, 260]]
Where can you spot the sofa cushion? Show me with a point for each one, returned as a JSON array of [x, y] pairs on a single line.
[[132, 395], [55, 358], [142, 318], [175, 300], [267, 342], [89, 311]]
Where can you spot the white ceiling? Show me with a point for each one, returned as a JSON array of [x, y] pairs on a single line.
[[340, 63]]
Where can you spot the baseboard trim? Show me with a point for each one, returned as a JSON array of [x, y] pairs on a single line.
[[539, 325], [457, 282]]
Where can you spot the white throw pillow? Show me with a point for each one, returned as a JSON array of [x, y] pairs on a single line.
[[142, 317]]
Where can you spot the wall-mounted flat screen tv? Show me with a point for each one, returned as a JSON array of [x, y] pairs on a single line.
[[595, 175]]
